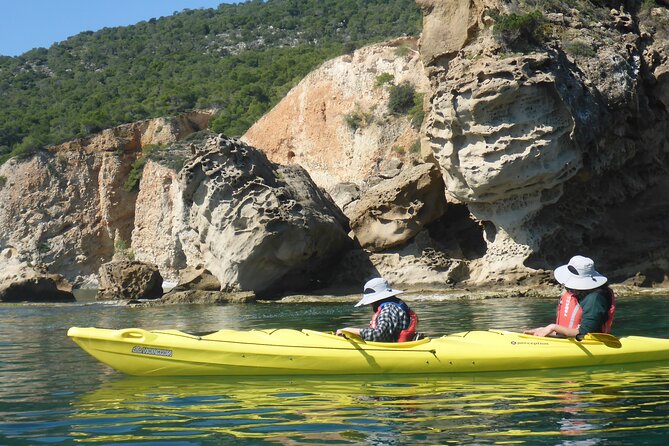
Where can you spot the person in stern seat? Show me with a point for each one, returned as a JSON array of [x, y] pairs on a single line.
[[586, 306], [393, 320]]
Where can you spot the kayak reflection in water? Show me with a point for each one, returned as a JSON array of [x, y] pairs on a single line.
[[586, 306], [393, 320]]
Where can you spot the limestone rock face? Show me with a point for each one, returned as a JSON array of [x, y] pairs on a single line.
[[395, 210], [335, 123], [417, 264], [20, 282], [654, 29], [546, 146], [256, 225], [520, 142], [64, 207], [159, 220], [448, 25], [129, 280]]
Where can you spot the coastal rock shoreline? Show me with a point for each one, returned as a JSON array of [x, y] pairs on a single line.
[[525, 154]]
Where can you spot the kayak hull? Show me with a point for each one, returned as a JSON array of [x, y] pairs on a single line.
[[135, 351]]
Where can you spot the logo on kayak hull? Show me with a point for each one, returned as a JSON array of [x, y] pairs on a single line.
[[151, 351]]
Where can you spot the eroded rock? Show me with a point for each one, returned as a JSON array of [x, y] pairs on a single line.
[[395, 210], [257, 225], [21, 282], [129, 280], [546, 144]]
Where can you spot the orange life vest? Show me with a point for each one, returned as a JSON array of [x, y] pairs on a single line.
[[569, 312], [408, 333]]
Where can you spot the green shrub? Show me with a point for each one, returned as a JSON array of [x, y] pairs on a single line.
[[349, 48], [382, 79], [648, 4], [353, 120], [415, 147], [416, 112], [520, 30], [121, 247], [579, 48], [3, 181], [402, 51], [132, 182], [358, 119], [401, 98]]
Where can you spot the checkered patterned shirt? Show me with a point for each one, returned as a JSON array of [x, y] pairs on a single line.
[[389, 323]]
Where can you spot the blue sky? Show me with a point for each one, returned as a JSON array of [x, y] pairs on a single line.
[[28, 24]]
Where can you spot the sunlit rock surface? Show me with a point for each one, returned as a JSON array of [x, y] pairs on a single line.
[[257, 225]]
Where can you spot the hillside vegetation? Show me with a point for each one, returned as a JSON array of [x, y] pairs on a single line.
[[239, 58]]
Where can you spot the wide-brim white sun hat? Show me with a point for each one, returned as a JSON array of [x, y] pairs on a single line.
[[579, 274], [375, 290]]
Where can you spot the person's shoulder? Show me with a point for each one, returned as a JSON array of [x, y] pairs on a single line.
[[603, 291], [602, 295]]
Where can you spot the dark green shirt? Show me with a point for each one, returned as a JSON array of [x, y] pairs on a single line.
[[595, 306]]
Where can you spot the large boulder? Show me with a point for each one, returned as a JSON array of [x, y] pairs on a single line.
[[197, 278], [395, 210], [129, 280], [21, 282], [257, 226]]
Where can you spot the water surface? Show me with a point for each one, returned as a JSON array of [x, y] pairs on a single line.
[[51, 392]]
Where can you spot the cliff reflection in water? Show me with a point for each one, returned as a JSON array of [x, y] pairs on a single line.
[[487, 408]]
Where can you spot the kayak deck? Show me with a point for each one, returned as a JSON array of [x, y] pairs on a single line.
[[301, 352]]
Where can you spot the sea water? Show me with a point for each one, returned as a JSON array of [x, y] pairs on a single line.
[[52, 392]]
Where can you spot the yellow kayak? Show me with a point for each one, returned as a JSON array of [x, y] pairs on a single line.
[[305, 352]]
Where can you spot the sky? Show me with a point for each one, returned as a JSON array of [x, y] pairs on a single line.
[[28, 24]]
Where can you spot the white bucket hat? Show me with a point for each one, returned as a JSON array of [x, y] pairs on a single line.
[[579, 274], [375, 290]]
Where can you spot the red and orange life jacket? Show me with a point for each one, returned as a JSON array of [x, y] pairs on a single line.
[[569, 312], [408, 333]]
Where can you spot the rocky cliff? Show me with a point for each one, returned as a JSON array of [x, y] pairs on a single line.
[[548, 123], [67, 208], [336, 124], [556, 143]]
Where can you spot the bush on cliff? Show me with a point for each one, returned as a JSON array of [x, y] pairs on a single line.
[[401, 98], [518, 31]]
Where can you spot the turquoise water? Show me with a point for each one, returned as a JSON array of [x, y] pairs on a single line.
[[51, 392]]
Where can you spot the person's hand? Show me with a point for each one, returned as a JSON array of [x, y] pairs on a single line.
[[351, 330]]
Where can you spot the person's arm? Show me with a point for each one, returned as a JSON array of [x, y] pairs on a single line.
[[553, 329], [342, 331], [595, 308]]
